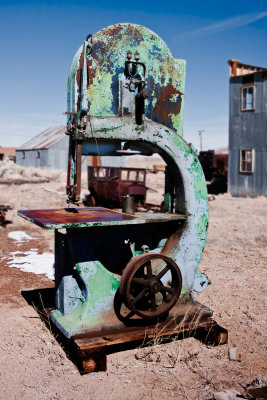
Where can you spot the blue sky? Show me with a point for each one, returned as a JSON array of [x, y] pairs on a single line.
[[39, 39]]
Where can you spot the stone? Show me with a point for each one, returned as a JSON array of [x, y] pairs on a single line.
[[229, 394], [234, 354]]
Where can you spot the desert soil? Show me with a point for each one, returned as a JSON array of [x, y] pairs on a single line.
[[33, 365]]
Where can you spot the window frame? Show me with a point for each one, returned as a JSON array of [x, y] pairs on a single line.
[[102, 173], [241, 161], [242, 97], [124, 175]]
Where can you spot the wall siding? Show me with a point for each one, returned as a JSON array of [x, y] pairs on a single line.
[[248, 130], [53, 157], [56, 157]]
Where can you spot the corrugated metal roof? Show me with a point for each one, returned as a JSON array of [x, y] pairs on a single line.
[[45, 139]]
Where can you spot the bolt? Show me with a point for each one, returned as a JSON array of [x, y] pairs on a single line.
[[136, 56]]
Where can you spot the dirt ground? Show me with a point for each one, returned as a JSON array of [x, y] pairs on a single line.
[[33, 365]]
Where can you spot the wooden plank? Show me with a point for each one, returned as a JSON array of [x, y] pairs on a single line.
[[124, 336], [91, 352]]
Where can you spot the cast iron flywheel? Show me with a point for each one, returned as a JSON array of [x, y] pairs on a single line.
[[143, 287]]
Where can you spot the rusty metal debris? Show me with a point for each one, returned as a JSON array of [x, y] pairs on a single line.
[[212, 198], [22, 181], [3, 210], [215, 168]]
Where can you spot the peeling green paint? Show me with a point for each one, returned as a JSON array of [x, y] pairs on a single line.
[[165, 75], [199, 182], [102, 98], [72, 173], [162, 127], [202, 228], [101, 287], [184, 291]]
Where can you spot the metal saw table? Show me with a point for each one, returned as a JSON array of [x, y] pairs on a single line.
[[92, 216]]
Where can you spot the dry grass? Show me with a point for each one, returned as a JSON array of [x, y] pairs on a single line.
[[10, 170], [150, 351]]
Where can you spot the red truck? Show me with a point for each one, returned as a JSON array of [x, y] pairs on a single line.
[[110, 185]]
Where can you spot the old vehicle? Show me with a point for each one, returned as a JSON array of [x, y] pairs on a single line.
[[110, 185], [215, 168]]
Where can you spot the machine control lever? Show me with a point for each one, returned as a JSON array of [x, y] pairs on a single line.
[[135, 82]]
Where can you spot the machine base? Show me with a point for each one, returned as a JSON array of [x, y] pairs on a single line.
[[89, 350], [186, 320]]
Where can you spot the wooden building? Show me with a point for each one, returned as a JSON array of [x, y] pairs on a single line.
[[7, 153], [247, 169]]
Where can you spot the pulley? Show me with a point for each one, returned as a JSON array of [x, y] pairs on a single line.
[[150, 285]]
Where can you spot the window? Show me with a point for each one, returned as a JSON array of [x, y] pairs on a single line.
[[124, 175], [23, 155], [132, 176], [37, 153], [246, 160], [95, 172], [102, 172], [247, 98], [140, 176]]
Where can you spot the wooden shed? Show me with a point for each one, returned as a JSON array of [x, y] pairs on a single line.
[[7, 153]]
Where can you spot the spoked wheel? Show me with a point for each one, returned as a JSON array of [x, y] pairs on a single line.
[[151, 285]]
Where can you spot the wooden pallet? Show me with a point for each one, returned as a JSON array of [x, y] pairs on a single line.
[[89, 350]]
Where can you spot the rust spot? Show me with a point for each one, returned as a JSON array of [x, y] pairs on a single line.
[[78, 74], [164, 106], [73, 216], [113, 30], [136, 33], [91, 73]]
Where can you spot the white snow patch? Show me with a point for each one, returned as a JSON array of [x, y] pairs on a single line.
[[31, 261], [19, 236]]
